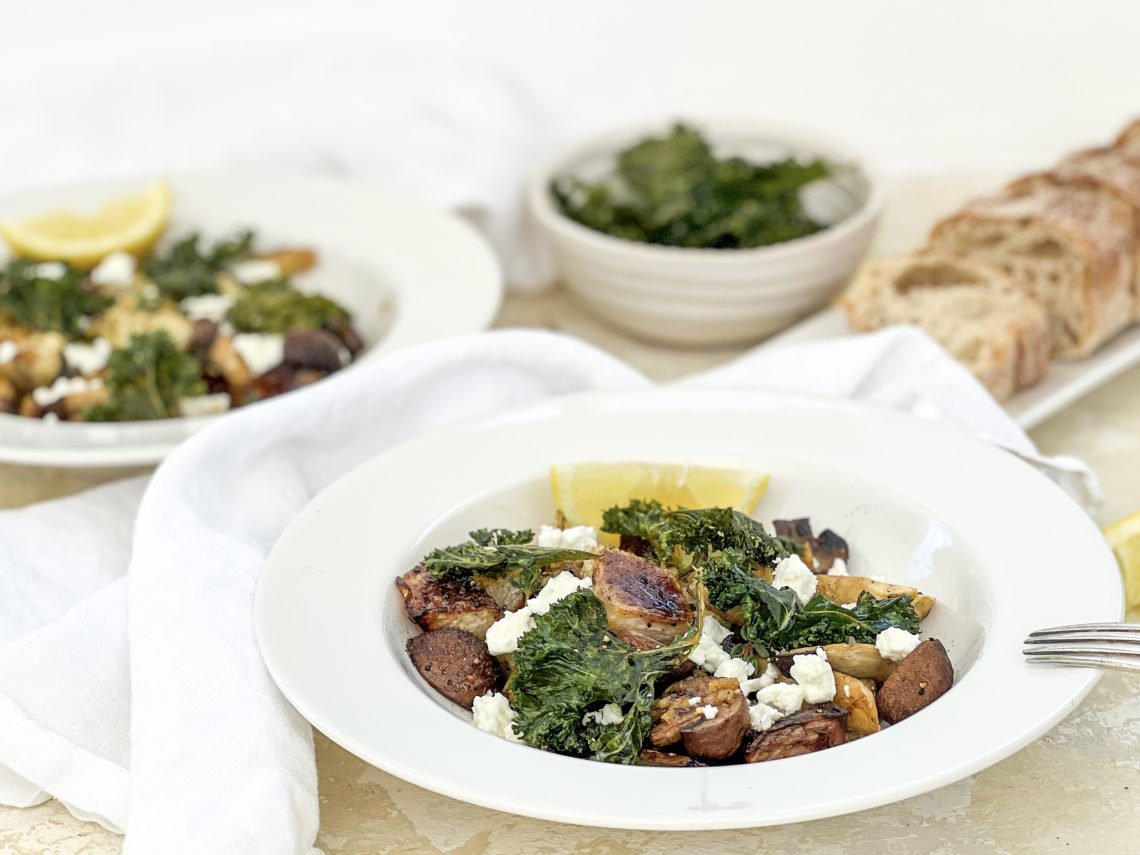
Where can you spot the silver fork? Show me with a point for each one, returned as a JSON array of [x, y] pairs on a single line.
[[1091, 645]]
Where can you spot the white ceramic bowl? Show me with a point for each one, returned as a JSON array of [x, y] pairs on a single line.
[[714, 296]]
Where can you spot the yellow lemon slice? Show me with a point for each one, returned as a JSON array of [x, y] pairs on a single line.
[[1124, 538], [128, 224], [583, 491]]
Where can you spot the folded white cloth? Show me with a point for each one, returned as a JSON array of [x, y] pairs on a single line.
[[434, 124], [218, 761]]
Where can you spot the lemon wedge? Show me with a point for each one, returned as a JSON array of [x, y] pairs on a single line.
[[583, 491], [1124, 538], [128, 224]]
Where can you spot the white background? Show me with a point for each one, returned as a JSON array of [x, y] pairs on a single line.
[[926, 86]]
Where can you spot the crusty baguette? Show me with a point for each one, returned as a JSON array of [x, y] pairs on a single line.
[[993, 325], [1074, 245]]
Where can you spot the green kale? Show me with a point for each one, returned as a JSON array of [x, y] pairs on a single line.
[[147, 380], [774, 619], [61, 303], [569, 664], [188, 269], [499, 552], [675, 191], [646, 521], [277, 307]]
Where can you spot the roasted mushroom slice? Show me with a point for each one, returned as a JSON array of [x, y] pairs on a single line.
[[858, 698], [800, 733], [455, 663], [653, 757], [635, 546], [640, 597], [708, 715], [862, 661], [924, 676], [819, 553], [436, 603], [317, 349], [846, 589]]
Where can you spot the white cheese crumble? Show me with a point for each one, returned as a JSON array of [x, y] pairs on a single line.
[[8, 351], [708, 653], [117, 270], [814, 675], [493, 713], [87, 358], [846, 691], [609, 714], [504, 634], [255, 270], [738, 669], [838, 568], [792, 573], [695, 702], [63, 387], [710, 712], [260, 351], [896, 644], [771, 673], [786, 697], [583, 537], [50, 270], [204, 405], [207, 307], [762, 716]]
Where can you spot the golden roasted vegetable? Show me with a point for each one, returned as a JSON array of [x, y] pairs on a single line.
[[862, 661], [858, 699], [846, 589]]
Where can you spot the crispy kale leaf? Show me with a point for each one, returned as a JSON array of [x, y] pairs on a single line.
[[499, 552], [59, 303], [674, 190], [147, 379], [189, 269], [775, 620], [569, 665], [277, 307]]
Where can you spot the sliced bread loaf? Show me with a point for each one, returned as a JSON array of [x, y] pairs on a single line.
[[990, 323], [1075, 246]]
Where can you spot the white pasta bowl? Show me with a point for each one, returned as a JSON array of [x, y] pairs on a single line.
[[919, 503], [724, 289]]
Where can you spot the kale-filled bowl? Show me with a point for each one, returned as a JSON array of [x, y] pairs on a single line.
[[134, 313], [706, 233]]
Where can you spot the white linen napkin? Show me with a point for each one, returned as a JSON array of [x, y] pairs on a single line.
[[218, 761]]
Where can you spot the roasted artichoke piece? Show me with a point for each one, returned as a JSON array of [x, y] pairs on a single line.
[[858, 698], [437, 603], [846, 589], [862, 661], [640, 597]]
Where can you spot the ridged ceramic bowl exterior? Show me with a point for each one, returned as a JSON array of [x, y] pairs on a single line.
[[708, 296]]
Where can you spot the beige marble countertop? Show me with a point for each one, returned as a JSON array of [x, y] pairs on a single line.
[[1075, 790]]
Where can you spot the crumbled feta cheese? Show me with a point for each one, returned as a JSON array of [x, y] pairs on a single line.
[[583, 537], [838, 568], [896, 644], [609, 714], [117, 270], [696, 701], [849, 606], [708, 653], [63, 387], [255, 270], [504, 634], [771, 673], [207, 307], [792, 573], [814, 675], [8, 351], [846, 691], [493, 713], [739, 669], [762, 716], [87, 358], [83, 322], [260, 351], [204, 405], [786, 697], [562, 585], [709, 712], [50, 270]]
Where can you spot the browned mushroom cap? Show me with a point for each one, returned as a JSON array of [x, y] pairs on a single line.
[[924, 676], [455, 663], [809, 730], [317, 349], [820, 552], [679, 716], [653, 757]]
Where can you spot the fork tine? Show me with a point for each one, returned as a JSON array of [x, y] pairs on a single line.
[[1085, 661], [1125, 638], [1081, 650], [1126, 628]]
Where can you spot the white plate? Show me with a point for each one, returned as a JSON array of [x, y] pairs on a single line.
[[1003, 549], [1064, 382], [409, 274]]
